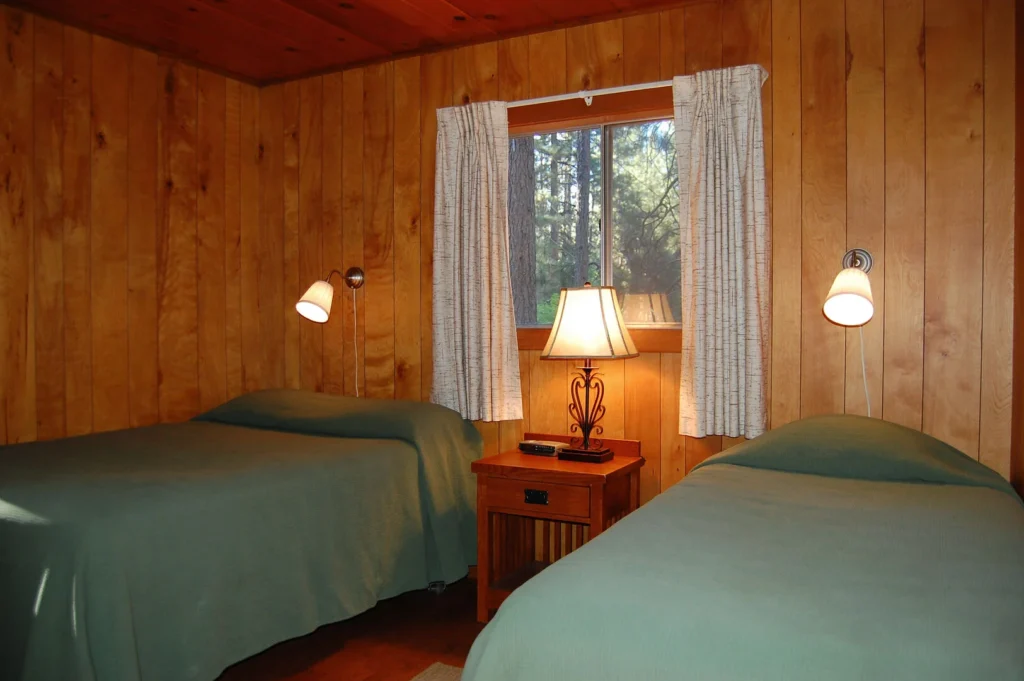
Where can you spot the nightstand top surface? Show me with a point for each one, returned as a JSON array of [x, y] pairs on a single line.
[[514, 463]]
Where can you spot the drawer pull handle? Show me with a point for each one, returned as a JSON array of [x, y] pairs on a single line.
[[536, 496]]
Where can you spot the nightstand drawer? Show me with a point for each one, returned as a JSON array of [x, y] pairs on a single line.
[[538, 497]]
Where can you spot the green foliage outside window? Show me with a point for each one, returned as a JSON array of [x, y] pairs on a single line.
[[558, 214]]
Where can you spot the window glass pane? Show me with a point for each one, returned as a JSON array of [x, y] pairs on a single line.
[[645, 222], [555, 199]]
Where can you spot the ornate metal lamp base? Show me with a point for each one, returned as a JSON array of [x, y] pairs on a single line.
[[586, 413]]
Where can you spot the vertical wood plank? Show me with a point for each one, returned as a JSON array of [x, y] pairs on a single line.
[[549, 395], [642, 405], [823, 191], [407, 229], [787, 210], [271, 294], [673, 43], [475, 73], [514, 69], [210, 245], [233, 238], [699, 449], [17, 354], [903, 351], [997, 314], [514, 84], [490, 433], [77, 164], [1017, 432], [352, 216], [48, 195], [613, 373], [252, 159], [333, 253], [702, 51], [728, 442], [703, 26], [436, 91], [292, 287], [176, 243], [510, 434], [143, 107], [747, 39], [673, 445], [311, 210], [512, 431], [865, 190], [641, 47], [747, 36], [547, 63], [954, 171], [379, 236], [109, 246], [594, 55]]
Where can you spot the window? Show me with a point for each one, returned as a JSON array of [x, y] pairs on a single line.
[[596, 204]]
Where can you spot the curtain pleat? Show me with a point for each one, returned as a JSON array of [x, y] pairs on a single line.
[[476, 354], [725, 252]]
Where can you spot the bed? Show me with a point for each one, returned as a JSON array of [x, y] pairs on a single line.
[[168, 553], [835, 548]]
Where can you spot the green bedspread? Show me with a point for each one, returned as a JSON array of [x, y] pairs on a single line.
[[833, 549], [171, 552]]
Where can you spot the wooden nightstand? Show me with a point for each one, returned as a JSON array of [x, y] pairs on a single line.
[[533, 510]]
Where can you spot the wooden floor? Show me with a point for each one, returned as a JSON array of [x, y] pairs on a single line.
[[392, 642]]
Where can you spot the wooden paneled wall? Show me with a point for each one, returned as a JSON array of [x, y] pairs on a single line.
[[151, 259], [121, 209]]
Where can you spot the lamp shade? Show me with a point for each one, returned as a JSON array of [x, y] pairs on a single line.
[[849, 301], [589, 325], [315, 303], [647, 308]]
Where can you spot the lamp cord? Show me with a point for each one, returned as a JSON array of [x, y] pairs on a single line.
[[355, 340], [864, 371]]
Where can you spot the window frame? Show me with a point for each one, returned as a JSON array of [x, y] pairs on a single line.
[[605, 110]]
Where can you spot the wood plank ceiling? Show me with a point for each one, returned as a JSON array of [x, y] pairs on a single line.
[[265, 41]]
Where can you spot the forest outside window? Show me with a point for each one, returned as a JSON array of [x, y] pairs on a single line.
[[598, 204]]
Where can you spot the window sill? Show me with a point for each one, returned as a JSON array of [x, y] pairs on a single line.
[[647, 340]]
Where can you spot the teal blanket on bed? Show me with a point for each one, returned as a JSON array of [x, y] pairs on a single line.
[[171, 552], [832, 549]]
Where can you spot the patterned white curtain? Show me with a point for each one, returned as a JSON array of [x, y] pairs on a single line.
[[725, 247], [476, 355]]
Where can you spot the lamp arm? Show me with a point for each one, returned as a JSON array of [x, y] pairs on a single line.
[[354, 277]]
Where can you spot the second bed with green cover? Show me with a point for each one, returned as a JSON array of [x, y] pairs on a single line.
[[833, 549]]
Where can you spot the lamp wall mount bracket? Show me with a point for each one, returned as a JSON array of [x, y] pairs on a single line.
[[354, 277], [859, 258]]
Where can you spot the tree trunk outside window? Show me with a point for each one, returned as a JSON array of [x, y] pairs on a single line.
[[583, 221], [522, 229]]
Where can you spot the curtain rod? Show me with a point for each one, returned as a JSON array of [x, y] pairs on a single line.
[[588, 95]]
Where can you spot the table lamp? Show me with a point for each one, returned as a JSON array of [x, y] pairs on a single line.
[[588, 326]]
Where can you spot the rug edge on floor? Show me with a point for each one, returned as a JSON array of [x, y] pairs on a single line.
[[439, 672]]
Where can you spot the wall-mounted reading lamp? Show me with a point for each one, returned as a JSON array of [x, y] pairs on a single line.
[[849, 302], [315, 303]]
